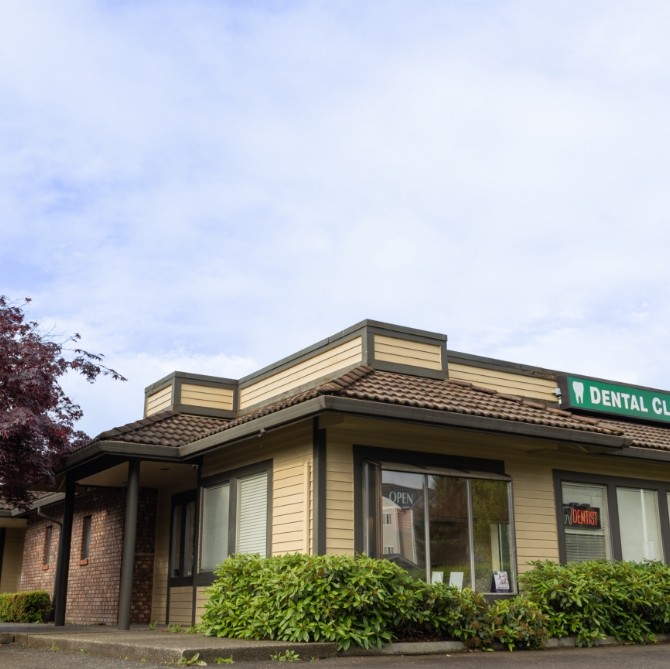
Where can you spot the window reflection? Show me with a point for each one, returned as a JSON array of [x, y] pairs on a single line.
[[443, 528]]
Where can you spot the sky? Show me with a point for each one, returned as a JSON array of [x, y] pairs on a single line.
[[211, 185]]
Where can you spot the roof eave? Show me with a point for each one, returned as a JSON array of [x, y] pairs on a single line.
[[644, 453], [472, 422], [122, 448], [307, 409], [385, 410]]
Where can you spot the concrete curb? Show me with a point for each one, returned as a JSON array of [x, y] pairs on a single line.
[[172, 648]]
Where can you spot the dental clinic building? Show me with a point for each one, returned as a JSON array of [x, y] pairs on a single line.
[[376, 440]]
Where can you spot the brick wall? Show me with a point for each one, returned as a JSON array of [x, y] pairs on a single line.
[[93, 586]]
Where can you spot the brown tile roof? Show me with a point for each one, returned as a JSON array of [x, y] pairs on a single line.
[[364, 383], [168, 428], [643, 435]]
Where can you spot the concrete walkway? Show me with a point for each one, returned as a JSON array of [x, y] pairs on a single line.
[[159, 645]]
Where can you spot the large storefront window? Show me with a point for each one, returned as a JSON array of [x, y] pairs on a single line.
[[603, 518], [441, 526]]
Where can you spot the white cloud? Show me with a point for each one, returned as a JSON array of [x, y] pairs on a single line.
[[242, 179]]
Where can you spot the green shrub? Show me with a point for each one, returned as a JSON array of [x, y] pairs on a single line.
[[356, 601], [517, 623], [25, 607], [591, 600], [345, 599]]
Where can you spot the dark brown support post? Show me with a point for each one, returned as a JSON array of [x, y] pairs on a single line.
[[129, 535], [319, 474], [63, 560]]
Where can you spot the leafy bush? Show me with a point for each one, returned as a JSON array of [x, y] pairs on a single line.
[[25, 607], [295, 597], [517, 623], [591, 600], [356, 601]]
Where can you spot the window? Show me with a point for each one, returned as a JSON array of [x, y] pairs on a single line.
[[441, 525], [607, 518], [46, 552], [214, 526], [182, 536], [234, 516], [587, 535], [86, 525], [639, 524]]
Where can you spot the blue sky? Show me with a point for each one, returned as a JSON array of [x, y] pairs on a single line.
[[209, 186]]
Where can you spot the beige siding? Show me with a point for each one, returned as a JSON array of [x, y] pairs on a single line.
[[161, 557], [292, 500], [12, 559], [200, 601], [339, 496], [320, 366], [534, 514], [407, 352], [207, 396], [505, 382], [181, 605], [159, 401]]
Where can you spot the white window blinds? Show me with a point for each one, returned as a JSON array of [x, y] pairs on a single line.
[[252, 501], [584, 542], [214, 527]]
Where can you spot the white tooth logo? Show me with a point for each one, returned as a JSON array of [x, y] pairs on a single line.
[[578, 387]]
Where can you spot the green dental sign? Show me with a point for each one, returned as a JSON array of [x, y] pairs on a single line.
[[612, 398]]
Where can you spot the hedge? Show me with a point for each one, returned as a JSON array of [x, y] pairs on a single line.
[[591, 600], [356, 600], [25, 607]]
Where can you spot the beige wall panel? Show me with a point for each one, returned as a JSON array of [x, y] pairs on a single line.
[[181, 605], [288, 508], [206, 396], [282, 547], [161, 557], [505, 382], [292, 441], [339, 496], [405, 352], [200, 601], [159, 401], [12, 559], [292, 497], [321, 365]]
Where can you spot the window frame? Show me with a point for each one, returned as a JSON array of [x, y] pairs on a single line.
[[611, 484], [366, 457], [181, 501], [232, 478]]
